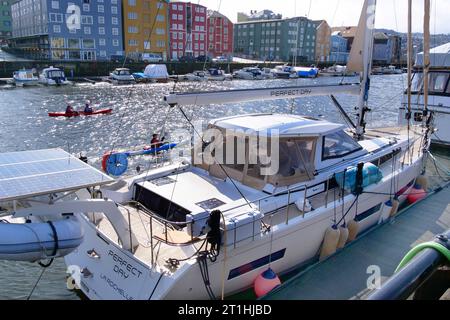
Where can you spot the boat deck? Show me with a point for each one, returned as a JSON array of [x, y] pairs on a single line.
[[345, 276]]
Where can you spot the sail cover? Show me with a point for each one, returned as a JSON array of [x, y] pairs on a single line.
[[355, 61], [439, 56]]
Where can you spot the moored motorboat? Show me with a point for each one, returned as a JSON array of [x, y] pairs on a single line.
[[25, 78], [121, 76], [248, 73], [53, 77]]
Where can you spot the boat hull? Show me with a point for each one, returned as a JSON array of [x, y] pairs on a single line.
[[111, 280]]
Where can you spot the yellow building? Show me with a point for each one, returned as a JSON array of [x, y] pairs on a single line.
[[145, 29], [323, 41]]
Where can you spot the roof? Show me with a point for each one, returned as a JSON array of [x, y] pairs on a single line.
[[439, 56], [286, 124], [346, 32], [380, 36]]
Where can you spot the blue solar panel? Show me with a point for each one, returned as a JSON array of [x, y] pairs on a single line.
[[31, 173]]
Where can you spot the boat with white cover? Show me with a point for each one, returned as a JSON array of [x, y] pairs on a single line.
[[207, 227], [438, 94]]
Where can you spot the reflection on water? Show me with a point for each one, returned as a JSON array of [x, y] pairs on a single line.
[[138, 112]]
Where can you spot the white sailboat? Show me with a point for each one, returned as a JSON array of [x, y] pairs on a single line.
[[207, 229]]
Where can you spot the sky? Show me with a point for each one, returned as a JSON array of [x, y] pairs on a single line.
[[391, 14]]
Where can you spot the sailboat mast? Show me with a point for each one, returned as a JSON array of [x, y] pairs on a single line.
[[363, 107], [410, 60], [426, 54]]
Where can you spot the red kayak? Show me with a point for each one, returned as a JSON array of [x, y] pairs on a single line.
[[79, 113]]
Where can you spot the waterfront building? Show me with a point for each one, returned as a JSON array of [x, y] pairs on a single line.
[[386, 48], [349, 33], [338, 50], [323, 35], [67, 29], [290, 40], [5, 20], [187, 30], [220, 35], [145, 28], [258, 15]]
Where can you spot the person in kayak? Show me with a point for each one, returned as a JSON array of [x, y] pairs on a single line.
[[88, 109], [156, 143], [69, 109]]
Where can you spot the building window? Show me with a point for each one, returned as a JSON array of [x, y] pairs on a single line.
[[87, 20], [115, 31], [102, 53], [132, 3], [101, 20], [115, 42], [55, 4], [114, 10], [88, 43], [133, 29], [133, 43], [86, 7], [147, 45], [160, 18], [57, 28], [101, 30], [101, 8], [102, 42], [114, 20], [132, 15], [73, 43]]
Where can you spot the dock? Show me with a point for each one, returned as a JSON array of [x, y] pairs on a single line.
[[345, 275]]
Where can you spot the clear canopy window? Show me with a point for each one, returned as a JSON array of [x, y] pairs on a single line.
[[55, 74], [437, 82], [249, 160], [337, 145]]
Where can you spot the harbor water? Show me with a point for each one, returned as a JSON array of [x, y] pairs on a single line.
[[139, 111]]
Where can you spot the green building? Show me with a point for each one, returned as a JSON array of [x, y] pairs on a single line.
[[5, 19], [289, 40]]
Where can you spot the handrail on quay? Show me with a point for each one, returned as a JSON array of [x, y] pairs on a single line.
[[420, 277]]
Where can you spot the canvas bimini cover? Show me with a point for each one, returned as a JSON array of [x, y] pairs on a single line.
[[156, 71], [439, 57]]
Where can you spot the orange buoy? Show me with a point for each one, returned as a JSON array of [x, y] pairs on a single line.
[[416, 194], [266, 282]]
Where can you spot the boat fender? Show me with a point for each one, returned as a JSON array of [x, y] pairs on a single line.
[[266, 282], [353, 229], [395, 206], [303, 205], [422, 181], [330, 242], [416, 194], [343, 236]]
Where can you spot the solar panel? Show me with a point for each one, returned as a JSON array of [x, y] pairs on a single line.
[[30, 173]]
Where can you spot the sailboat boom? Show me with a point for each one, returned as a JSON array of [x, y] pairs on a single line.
[[259, 94]]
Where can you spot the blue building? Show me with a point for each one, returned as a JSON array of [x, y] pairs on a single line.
[[338, 50], [67, 29]]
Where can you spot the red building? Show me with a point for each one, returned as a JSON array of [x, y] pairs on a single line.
[[187, 29], [220, 35]]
